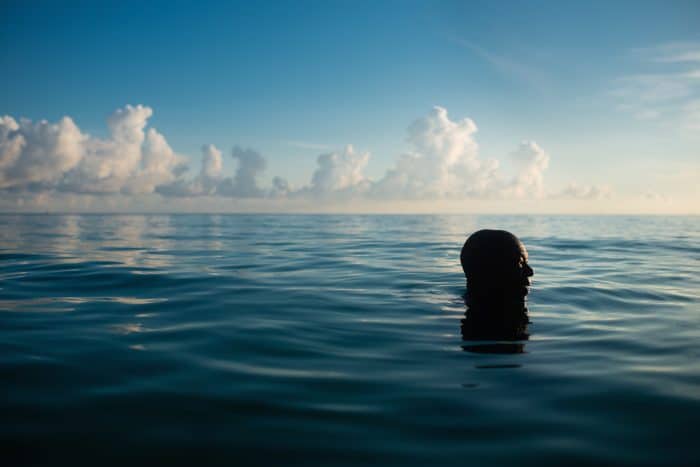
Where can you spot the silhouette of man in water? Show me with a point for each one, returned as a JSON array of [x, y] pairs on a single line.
[[498, 276]]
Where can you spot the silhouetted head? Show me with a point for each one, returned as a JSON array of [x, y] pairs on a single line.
[[496, 269]]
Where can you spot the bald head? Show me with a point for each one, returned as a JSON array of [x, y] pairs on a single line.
[[495, 266]]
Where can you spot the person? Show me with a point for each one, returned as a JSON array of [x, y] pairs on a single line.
[[496, 269]]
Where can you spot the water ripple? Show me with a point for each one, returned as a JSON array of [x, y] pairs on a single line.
[[335, 340]]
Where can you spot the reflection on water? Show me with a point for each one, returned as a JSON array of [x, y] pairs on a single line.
[[495, 326], [47, 303], [128, 328], [138, 241], [332, 340], [495, 348]]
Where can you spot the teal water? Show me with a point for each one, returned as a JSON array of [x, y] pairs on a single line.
[[335, 340]]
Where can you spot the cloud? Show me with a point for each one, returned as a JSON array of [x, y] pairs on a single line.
[[671, 52], [659, 88], [530, 162], [340, 172], [668, 92], [42, 155], [211, 162], [280, 188], [442, 163], [585, 192], [509, 67], [132, 160], [203, 184], [654, 197], [38, 154], [209, 181], [244, 183]]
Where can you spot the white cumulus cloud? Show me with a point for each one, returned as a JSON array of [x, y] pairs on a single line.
[[442, 162], [341, 171], [203, 184], [209, 181], [211, 162], [42, 155], [38, 154], [244, 183], [530, 162]]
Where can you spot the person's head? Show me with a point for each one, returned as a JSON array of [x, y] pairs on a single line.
[[495, 266]]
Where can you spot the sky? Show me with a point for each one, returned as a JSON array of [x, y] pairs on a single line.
[[338, 106]]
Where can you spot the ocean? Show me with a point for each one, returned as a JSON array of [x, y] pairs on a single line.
[[335, 340]]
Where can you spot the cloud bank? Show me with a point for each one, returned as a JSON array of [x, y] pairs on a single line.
[[42, 156], [443, 162]]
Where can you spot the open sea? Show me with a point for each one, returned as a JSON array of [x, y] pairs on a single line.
[[335, 340]]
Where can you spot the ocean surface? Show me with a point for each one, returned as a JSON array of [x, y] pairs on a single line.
[[335, 340]]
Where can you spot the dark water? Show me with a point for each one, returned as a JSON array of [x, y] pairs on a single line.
[[335, 340]]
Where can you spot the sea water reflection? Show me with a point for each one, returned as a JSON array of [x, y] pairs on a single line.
[[481, 335]]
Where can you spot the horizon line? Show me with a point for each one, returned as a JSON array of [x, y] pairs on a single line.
[[340, 213]]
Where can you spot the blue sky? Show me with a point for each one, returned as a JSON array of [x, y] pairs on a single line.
[[606, 89]]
